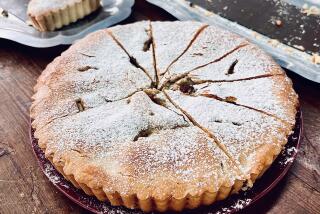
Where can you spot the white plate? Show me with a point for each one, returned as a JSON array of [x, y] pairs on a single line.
[[15, 28]]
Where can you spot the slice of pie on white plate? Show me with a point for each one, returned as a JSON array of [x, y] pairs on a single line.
[[50, 15]]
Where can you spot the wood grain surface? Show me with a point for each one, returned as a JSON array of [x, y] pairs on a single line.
[[25, 189]]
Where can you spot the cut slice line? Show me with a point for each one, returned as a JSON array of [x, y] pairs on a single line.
[[81, 107], [200, 30], [205, 130], [222, 57], [152, 97], [154, 55], [213, 96], [133, 60], [201, 66], [198, 82]]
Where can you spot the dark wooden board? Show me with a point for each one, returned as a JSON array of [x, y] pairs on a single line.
[[24, 188]]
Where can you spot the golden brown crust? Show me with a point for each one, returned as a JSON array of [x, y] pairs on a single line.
[[106, 132]]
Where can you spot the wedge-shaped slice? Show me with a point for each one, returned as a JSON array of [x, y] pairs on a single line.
[[84, 73], [206, 48], [49, 15], [110, 122], [272, 95], [245, 63], [171, 39], [251, 138], [136, 39]]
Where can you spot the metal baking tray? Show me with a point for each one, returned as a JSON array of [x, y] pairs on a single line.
[[289, 57], [14, 23]]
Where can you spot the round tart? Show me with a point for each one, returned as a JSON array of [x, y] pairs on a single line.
[[163, 115], [48, 15]]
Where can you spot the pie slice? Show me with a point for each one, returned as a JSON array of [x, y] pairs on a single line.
[[49, 15], [271, 95], [171, 40], [206, 49], [251, 138], [89, 80], [247, 62], [136, 40]]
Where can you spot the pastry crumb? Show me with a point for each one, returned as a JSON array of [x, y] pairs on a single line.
[[299, 47], [274, 42], [315, 58]]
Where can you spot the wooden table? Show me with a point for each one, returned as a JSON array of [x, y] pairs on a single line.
[[24, 188]]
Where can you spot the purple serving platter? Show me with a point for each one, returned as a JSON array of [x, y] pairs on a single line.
[[232, 204]]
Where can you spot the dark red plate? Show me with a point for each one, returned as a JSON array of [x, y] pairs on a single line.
[[233, 204]]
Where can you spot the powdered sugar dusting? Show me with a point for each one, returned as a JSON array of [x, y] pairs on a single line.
[[96, 85], [251, 62], [289, 155], [233, 125], [111, 122], [264, 94], [206, 48], [96, 108], [171, 39], [40, 6], [136, 38], [181, 157], [51, 173], [238, 205]]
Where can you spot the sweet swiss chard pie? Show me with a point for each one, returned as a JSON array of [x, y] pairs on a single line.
[[48, 15], [163, 115]]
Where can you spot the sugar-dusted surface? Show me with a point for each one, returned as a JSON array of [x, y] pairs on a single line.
[[249, 61], [136, 40], [101, 120], [183, 158], [273, 95], [108, 124], [89, 78], [205, 49], [247, 135], [40, 6], [171, 39], [244, 62]]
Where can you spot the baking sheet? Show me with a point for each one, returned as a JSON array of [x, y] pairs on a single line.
[[295, 28], [13, 26], [287, 56]]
